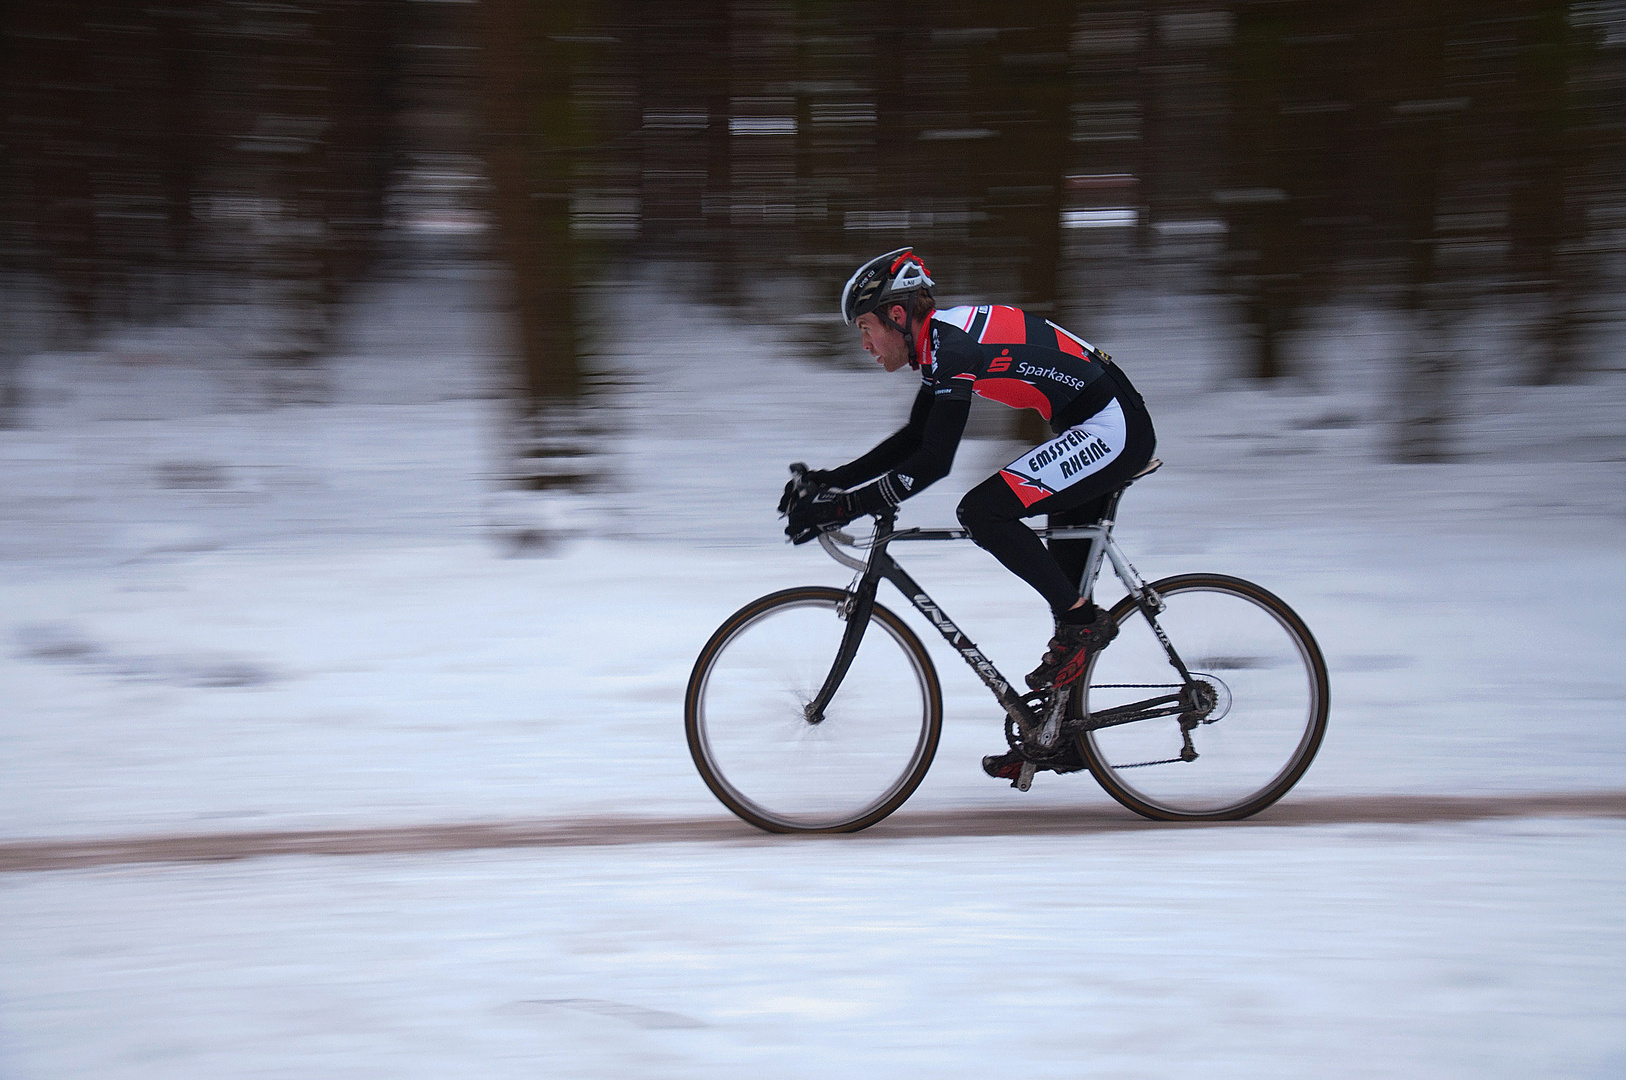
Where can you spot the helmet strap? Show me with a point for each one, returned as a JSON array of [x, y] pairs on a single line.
[[907, 329]]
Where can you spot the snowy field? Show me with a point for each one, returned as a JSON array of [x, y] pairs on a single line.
[[1464, 951], [221, 617]]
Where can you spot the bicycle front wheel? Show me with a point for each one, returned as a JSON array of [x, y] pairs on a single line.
[[1257, 664], [749, 735]]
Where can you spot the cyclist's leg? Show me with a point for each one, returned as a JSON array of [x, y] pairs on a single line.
[[1066, 476], [992, 514]]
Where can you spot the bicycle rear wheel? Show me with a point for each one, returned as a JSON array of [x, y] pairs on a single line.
[[1268, 682], [749, 735]]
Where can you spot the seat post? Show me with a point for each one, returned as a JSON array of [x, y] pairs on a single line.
[[1109, 513], [1098, 545]]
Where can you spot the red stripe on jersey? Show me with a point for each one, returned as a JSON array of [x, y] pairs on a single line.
[[1015, 393], [1029, 491], [1066, 343], [1006, 326]]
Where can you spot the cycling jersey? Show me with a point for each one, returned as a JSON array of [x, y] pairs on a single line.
[[1018, 359], [996, 352]]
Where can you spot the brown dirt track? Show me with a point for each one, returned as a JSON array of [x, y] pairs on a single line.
[[38, 855]]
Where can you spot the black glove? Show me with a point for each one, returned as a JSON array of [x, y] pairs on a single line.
[[803, 484], [811, 516]]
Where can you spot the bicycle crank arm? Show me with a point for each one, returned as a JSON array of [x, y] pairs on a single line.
[[1024, 779], [1050, 728]]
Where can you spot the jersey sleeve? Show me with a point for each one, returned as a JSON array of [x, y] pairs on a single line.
[[892, 450], [931, 461], [956, 362], [922, 452]]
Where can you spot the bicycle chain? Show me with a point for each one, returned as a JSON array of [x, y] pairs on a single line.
[[1011, 733], [1140, 765]]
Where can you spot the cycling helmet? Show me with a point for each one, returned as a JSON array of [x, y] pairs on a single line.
[[895, 276]]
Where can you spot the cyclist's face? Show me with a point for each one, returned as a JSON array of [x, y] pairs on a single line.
[[887, 345]]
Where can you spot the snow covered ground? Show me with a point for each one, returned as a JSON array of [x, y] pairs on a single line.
[[218, 616], [1346, 951]]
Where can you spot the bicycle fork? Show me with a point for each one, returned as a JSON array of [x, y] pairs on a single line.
[[856, 611]]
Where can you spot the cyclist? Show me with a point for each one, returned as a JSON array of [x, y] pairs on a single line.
[[1103, 436]]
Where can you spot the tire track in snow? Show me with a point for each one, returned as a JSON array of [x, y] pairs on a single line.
[[38, 855]]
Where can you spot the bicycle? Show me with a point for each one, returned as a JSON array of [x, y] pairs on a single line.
[[816, 709]]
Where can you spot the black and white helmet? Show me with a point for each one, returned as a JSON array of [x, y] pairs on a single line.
[[895, 277]]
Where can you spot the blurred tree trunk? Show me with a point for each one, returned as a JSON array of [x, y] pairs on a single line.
[[1151, 172], [182, 150], [1547, 219], [717, 202], [1291, 169], [898, 32], [13, 218], [834, 158], [525, 89], [49, 141], [1420, 131], [360, 150], [683, 107], [1036, 63], [284, 153]]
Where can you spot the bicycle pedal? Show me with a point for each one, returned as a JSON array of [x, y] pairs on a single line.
[[1024, 779]]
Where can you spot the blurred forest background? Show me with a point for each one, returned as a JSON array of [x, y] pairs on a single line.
[[1433, 159]]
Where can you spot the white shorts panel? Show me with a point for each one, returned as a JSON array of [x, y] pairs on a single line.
[[1082, 450]]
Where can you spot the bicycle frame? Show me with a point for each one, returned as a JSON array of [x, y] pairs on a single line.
[[880, 564]]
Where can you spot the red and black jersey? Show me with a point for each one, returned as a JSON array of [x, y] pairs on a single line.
[[996, 352], [1018, 359]]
